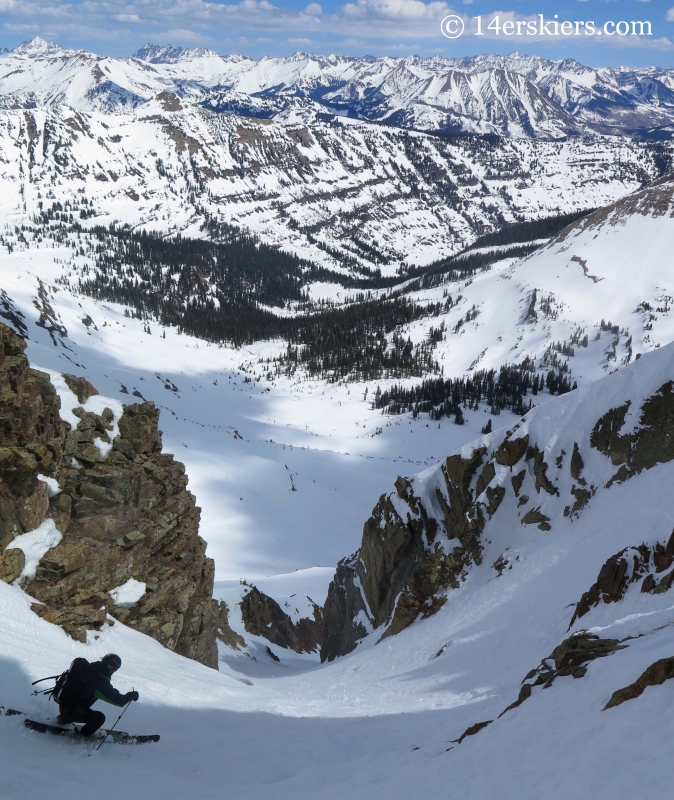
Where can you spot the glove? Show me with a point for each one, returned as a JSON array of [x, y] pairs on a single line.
[[132, 696]]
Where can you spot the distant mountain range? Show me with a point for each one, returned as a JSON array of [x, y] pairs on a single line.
[[517, 96]]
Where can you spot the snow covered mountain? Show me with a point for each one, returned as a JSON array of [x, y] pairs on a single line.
[[512, 586], [562, 309], [352, 196], [476, 509], [594, 298], [514, 95]]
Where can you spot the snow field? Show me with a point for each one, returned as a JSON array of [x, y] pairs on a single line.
[[296, 729]]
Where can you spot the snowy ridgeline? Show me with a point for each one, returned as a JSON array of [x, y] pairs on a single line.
[[382, 721], [514, 95]]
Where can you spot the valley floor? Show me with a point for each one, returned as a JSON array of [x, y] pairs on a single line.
[[269, 463]]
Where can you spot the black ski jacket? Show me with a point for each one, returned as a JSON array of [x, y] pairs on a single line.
[[99, 688]]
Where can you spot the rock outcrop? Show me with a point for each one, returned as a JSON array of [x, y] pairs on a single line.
[[128, 515], [415, 547], [31, 439], [629, 566], [651, 443], [263, 616], [422, 539], [123, 511], [407, 556], [226, 634], [655, 675], [570, 659]]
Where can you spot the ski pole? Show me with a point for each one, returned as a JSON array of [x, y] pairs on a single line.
[[107, 733], [50, 678]]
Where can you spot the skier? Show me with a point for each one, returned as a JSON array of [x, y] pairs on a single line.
[[95, 686]]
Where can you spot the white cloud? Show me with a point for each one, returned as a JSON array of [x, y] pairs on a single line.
[[183, 35], [16, 27], [396, 24], [401, 10]]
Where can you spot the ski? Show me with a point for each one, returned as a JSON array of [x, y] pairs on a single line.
[[115, 737]]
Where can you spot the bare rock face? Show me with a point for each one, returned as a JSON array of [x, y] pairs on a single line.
[[419, 542], [80, 387], [11, 564], [401, 566], [631, 565], [650, 444], [123, 510], [263, 616], [226, 634], [31, 439], [128, 515], [655, 675]]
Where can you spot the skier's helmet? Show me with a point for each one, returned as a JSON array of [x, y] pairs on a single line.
[[111, 662]]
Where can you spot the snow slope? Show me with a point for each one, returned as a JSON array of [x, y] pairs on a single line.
[[378, 723], [245, 445], [612, 267]]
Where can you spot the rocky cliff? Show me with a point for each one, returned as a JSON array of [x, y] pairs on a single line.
[[408, 556], [31, 439], [422, 540], [123, 511], [263, 616]]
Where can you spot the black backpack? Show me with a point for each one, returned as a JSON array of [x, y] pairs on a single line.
[[69, 684]]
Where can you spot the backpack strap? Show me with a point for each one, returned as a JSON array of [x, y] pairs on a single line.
[[50, 678]]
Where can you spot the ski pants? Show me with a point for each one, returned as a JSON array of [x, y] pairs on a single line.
[[92, 719]]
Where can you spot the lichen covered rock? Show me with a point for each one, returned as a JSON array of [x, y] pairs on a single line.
[[31, 439], [127, 515], [12, 563], [80, 387], [124, 512]]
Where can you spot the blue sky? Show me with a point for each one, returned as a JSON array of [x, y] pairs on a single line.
[[354, 27]]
